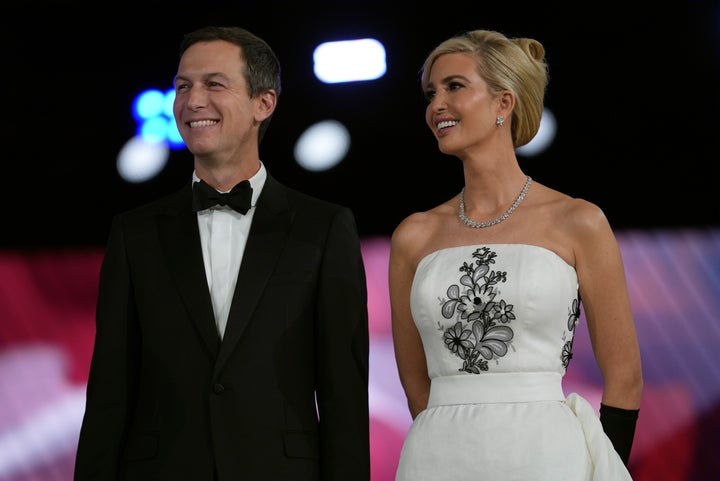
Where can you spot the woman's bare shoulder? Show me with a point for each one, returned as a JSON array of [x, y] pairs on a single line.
[[567, 225], [413, 228], [583, 218], [573, 214], [413, 234]]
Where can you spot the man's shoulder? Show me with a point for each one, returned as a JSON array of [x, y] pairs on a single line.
[[299, 199], [169, 202]]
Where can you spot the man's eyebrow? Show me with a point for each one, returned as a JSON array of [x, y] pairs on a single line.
[[206, 76]]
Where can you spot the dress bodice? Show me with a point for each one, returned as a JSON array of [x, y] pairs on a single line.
[[495, 308]]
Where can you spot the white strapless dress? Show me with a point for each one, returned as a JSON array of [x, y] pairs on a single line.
[[497, 323]]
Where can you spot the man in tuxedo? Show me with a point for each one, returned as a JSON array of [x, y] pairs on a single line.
[[232, 330]]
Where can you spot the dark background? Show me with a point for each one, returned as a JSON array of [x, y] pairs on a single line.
[[634, 88]]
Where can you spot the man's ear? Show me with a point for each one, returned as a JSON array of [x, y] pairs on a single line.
[[265, 104]]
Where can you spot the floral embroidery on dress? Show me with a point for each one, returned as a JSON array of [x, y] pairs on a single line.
[[569, 337], [480, 333]]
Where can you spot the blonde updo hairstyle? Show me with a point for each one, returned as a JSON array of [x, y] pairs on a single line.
[[515, 64]]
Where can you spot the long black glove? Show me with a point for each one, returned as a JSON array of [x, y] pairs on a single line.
[[619, 426]]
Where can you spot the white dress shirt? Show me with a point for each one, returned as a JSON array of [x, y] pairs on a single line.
[[223, 235]]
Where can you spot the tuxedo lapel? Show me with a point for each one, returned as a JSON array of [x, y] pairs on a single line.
[[266, 239], [180, 237]]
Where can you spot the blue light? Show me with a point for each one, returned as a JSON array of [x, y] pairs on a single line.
[[148, 104], [153, 111], [154, 130], [169, 99], [173, 136]]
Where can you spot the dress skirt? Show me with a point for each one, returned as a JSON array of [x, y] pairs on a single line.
[[507, 427]]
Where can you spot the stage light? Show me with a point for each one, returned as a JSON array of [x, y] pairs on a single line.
[[148, 104], [543, 138], [140, 160], [153, 111], [322, 146], [349, 61]]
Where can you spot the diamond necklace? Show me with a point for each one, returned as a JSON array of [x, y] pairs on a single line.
[[496, 220]]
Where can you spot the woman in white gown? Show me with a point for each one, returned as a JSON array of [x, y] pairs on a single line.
[[487, 288]]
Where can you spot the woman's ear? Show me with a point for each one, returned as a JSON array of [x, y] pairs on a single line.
[[506, 103]]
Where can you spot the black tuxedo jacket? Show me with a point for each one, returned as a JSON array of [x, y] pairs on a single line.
[[282, 397]]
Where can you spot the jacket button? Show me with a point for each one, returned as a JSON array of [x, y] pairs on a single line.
[[218, 388]]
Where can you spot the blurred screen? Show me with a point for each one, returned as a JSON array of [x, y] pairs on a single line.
[[47, 301]]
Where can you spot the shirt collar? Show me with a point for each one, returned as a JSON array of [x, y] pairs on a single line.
[[257, 182]]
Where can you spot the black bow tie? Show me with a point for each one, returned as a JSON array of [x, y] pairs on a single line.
[[239, 198]]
